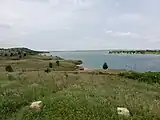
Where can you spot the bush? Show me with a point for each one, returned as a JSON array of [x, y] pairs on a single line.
[[148, 77], [11, 77], [50, 65], [11, 54], [105, 66], [78, 62], [20, 56], [57, 62], [24, 54], [9, 68], [5, 54], [47, 70]]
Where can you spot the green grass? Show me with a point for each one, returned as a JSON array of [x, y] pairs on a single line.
[[37, 63], [148, 77], [76, 96]]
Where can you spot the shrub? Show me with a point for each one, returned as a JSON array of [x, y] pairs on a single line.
[[148, 77], [24, 54], [9, 68], [57, 62], [78, 62], [20, 56], [11, 77], [11, 54], [50, 65], [105, 66], [5, 54], [47, 70]]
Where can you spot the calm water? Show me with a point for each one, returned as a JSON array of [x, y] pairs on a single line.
[[139, 63]]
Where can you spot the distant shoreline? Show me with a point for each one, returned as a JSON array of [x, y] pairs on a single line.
[[154, 52]]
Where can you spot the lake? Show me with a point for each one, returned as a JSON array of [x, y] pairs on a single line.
[[96, 59]]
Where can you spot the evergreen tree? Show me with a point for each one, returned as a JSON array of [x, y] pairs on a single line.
[[105, 66]]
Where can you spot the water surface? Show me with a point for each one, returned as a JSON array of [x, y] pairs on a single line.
[[95, 59]]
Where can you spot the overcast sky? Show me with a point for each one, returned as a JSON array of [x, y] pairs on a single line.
[[80, 24]]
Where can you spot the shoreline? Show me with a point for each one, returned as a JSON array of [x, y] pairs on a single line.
[[132, 54]]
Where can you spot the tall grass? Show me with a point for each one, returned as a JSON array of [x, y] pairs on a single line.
[[68, 96]]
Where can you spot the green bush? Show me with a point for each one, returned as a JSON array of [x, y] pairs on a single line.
[[9, 68], [148, 77], [57, 62], [24, 54], [47, 70], [5, 54], [50, 65]]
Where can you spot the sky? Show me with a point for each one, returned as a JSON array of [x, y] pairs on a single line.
[[80, 24]]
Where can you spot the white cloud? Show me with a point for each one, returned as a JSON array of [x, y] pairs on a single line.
[[150, 39], [122, 34], [108, 31], [126, 34], [53, 22]]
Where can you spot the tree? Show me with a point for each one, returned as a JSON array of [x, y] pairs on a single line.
[[57, 62], [105, 66], [11, 54], [19, 53], [50, 65]]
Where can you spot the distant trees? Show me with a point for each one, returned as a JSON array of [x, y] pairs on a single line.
[[19, 51], [105, 66], [135, 52]]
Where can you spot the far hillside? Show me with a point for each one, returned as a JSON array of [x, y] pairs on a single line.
[[19, 51]]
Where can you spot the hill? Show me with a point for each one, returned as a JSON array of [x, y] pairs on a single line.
[[16, 51]]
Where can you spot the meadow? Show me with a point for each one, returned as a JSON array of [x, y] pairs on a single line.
[[68, 93]]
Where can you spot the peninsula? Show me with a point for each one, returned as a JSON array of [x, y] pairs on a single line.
[[134, 52]]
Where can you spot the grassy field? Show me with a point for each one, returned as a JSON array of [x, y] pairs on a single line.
[[37, 63], [73, 95]]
